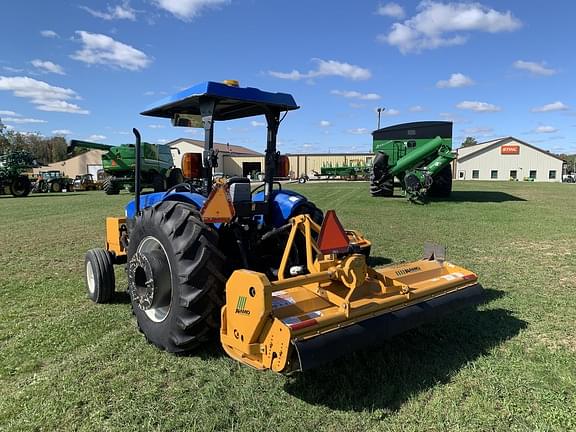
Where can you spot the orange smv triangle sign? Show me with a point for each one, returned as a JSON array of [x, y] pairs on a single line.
[[218, 208], [332, 238]]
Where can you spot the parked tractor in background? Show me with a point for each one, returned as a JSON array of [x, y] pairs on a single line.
[[157, 171], [85, 182], [418, 154], [13, 166], [52, 181], [286, 287]]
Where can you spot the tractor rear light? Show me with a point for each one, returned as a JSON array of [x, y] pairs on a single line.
[[192, 165]]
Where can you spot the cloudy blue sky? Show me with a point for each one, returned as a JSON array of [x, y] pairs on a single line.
[[85, 69]]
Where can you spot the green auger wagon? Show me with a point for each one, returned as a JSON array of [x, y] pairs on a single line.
[[158, 170], [418, 154]]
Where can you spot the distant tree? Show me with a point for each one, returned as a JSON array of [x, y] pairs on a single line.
[[469, 141], [44, 149]]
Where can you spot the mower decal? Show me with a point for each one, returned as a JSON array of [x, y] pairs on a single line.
[[241, 306], [302, 321], [280, 301], [405, 271]]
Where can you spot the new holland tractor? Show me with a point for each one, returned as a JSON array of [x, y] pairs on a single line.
[[286, 287], [418, 154]]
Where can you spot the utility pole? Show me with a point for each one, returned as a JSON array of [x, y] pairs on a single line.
[[379, 110]]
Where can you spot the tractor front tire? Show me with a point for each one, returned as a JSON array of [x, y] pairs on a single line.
[[20, 187], [109, 187], [99, 276], [176, 277], [442, 183], [55, 186]]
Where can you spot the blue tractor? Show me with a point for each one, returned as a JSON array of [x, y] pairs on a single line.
[[287, 287]]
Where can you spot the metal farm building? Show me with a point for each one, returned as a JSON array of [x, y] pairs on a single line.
[[507, 159]]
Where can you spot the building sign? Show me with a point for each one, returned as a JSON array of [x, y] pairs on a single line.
[[510, 150]]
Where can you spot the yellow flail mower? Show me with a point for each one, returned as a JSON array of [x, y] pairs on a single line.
[[287, 287]]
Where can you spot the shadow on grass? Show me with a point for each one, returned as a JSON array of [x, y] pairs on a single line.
[[478, 196], [375, 261], [385, 378], [120, 297]]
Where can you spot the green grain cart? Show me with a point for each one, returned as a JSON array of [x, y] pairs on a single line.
[[418, 154], [158, 169]]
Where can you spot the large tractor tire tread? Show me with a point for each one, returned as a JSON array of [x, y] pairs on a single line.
[[99, 275], [198, 276], [109, 187], [442, 183], [20, 187]]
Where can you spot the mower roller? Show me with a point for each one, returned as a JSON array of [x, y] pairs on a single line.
[[287, 287]]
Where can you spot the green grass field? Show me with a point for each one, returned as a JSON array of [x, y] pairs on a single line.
[[69, 364]]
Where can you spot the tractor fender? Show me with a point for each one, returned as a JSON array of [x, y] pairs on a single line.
[[285, 203], [151, 199]]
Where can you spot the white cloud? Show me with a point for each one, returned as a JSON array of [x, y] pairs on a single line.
[[391, 9], [149, 93], [478, 106], [416, 108], [121, 11], [358, 131], [545, 129], [48, 66], [45, 96], [22, 120], [327, 68], [435, 25], [61, 132], [102, 49], [9, 113], [534, 68], [455, 80], [96, 137], [49, 34], [12, 69], [325, 123], [188, 9], [554, 106], [355, 95], [479, 131], [255, 123], [390, 112], [156, 126]]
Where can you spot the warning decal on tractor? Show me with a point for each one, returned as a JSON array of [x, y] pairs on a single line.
[[281, 300], [302, 321]]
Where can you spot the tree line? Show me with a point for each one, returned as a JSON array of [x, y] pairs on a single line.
[[44, 149]]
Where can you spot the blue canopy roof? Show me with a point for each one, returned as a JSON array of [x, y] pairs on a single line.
[[233, 102]]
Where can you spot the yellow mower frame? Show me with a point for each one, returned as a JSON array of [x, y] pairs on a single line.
[[264, 323]]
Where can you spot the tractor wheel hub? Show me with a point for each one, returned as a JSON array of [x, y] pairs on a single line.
[[146, 270]]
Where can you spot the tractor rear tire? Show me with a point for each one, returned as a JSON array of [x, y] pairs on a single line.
[[381, 188], [55, 186], [109, 187], [158, 182], [442, 183], [175, 177], [170, 245], [99, 275], [20, 187]]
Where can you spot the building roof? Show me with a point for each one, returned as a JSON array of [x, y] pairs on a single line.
[[489, 145], [223, 148]]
